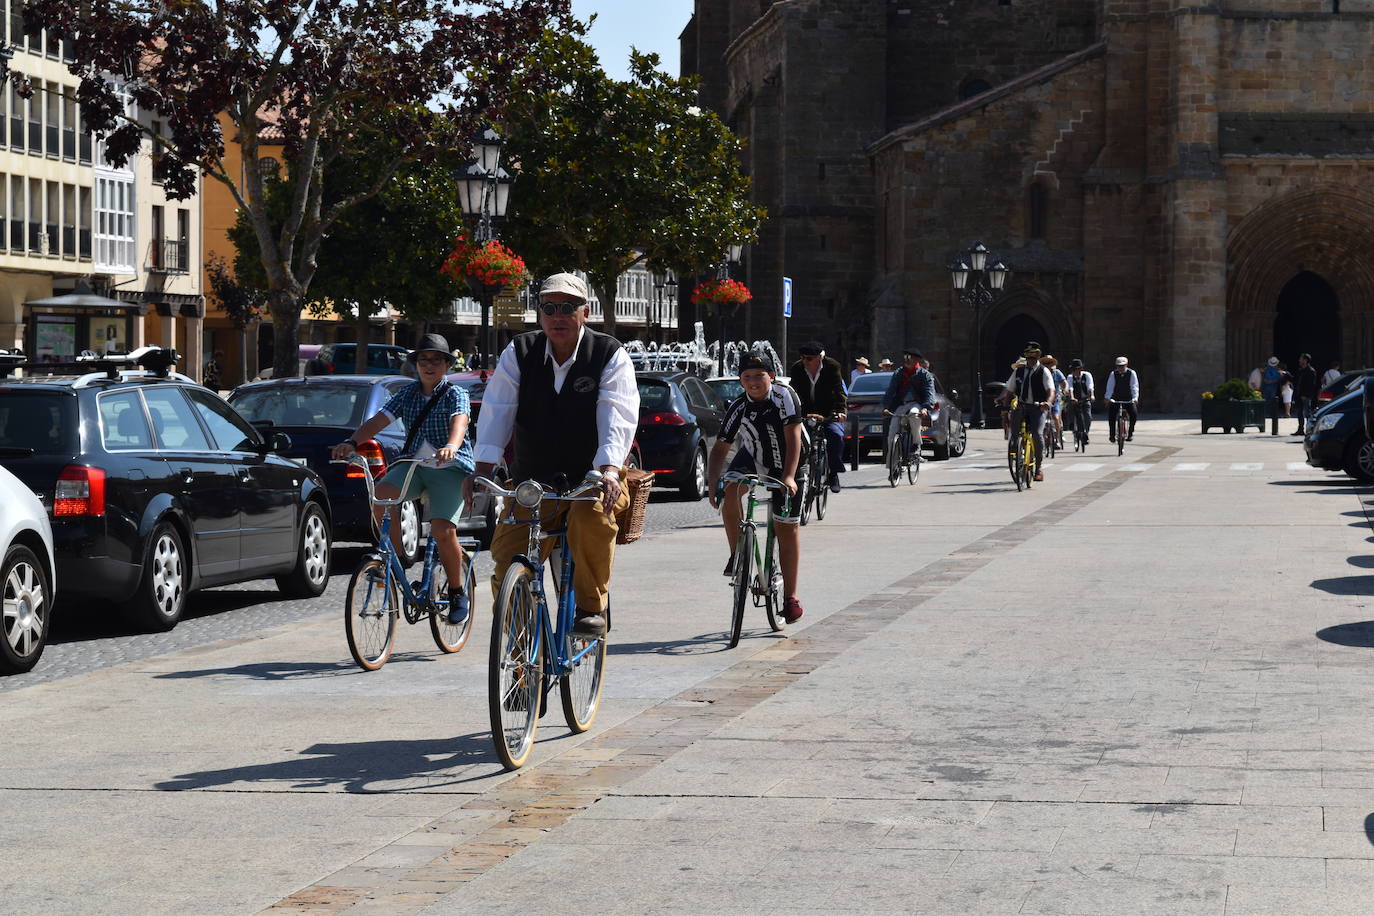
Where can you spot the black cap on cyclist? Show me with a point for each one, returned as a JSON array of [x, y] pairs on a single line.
[[913, 350], [811, 348], [1075, 363], [1032, 348], [755, 360]]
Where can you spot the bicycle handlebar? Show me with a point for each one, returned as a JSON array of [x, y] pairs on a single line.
[[591, 482], [759, 480], [361, 462]]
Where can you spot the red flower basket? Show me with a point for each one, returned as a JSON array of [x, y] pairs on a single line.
[[492, 265], [721, 292]]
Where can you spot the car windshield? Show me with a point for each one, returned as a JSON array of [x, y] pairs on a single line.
[[43, 421], [475, 387], [304, 405], [654, 395], [870, 383], [728, 388]]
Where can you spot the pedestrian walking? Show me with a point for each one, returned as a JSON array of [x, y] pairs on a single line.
[[211, 375], [885, 365], [1331, 374], [860, 368], [1305, 383], [1271, 381]]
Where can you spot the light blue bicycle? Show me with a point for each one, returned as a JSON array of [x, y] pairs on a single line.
[[378, 592], [530, 650]]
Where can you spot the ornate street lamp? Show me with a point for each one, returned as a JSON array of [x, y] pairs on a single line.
[[733, 255], [672, 304], [987, 282], [483, 195]]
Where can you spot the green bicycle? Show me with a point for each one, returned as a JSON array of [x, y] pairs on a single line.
[[757, 574]]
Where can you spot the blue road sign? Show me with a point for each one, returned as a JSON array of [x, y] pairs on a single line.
[[787, 297]]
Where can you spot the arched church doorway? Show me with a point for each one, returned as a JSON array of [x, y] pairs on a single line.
[[1307, 320], [1011, 340]]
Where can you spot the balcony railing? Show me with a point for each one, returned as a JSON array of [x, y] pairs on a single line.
[[168, 256]]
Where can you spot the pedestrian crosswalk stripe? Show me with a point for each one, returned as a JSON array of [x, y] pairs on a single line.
[[1299, 466], [1192, 466], [1084, 466], [1247, 466], [1134, 467], [977, 467]]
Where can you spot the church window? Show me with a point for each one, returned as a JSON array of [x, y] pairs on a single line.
[[973, 87], [1039, 204]]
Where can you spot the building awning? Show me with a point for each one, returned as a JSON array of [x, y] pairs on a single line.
[[170, 305], [84, 299]]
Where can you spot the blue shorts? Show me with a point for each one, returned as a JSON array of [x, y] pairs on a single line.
[[443, 486]]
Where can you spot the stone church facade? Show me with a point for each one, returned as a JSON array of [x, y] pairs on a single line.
[[1191, 186]]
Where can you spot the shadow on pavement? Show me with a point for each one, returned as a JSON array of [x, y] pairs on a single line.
[[356, 767], [1369, 828], [279, 671], [1346, 585], [72, 622], [705, 644], [1355, 635], [1362, 562]]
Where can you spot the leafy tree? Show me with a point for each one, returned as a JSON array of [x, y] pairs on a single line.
[[332, 77], [615, 172], [240, 301], [386, 250]]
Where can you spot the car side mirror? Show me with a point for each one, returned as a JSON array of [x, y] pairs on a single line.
[[277, 442], [953, 394]]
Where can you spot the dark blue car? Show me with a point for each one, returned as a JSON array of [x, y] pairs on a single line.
[[318, 412]]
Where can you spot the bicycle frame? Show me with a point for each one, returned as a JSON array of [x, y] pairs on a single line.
[[550, 632], [762, 561]]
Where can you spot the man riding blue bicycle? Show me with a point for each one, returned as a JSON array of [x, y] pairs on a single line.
[[566, 398], [909, 398], [436, 416]]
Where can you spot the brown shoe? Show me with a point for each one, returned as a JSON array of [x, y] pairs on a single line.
[[1039, 476]]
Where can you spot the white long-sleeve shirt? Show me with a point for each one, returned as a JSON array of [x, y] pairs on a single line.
[[1132, 383], [617, 405]]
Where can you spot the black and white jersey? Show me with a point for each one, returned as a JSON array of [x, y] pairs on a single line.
[[757, 427]]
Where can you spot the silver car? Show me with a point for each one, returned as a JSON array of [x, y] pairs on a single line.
[[28, 580]]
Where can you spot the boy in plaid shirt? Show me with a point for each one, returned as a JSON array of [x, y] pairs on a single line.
[[442, 437]]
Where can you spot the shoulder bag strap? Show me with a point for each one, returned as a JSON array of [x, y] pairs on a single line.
[[419, 423]]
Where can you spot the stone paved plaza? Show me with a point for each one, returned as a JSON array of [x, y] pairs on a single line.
[[1141, 687]]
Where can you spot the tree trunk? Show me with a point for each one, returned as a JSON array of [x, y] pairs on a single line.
[[286, 332], [361, 327], [243, 354], [605, 293]]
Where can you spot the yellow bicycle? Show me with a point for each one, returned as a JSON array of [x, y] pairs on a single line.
[[1021, 452]]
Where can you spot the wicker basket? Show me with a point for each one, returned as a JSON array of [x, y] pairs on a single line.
[[631, 519]]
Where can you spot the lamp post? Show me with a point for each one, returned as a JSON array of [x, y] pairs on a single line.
[[987, 282], [732, 256], [671, 310], [656, 318], [483, 195]]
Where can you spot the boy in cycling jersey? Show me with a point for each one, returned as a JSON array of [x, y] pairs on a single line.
[[766, 421], [442, 411]]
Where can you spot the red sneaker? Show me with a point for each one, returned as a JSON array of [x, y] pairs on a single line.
[[792, 610]]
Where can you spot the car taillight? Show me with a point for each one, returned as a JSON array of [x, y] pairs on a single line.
[[80, 491], [854, 405], [376, 461], [1324, 395], [663, 419]]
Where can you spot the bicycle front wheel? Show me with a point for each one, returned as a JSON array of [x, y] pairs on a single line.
[[1027, 460], [581, 686], [822, 495], [515, 676], [744, 568], [894, 461], [772, 594], [1014, 461], [450, 637], [1121, 427], [913, 465], [370, 613]]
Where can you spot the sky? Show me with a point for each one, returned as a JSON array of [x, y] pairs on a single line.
[[649, 25]]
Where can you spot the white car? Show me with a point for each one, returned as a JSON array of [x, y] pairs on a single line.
[[27, 579]]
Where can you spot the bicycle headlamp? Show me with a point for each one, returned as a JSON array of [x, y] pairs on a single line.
[[529, 494]]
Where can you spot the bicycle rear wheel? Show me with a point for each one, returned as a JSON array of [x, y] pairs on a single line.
[[744, 567], [580, 688], [515, 676], [447, 636], [370, 613]]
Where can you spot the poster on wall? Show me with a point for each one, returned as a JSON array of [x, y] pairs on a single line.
[[104, 337], [55, 339]]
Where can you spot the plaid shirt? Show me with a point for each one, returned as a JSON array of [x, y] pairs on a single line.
[[407, 403]]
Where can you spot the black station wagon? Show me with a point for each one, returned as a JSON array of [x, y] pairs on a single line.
[[156, 487]]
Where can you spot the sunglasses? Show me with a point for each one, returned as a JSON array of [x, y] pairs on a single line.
[[559, 308], [433, 360]]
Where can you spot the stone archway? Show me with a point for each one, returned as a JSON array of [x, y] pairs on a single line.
[[1322, 234], [1026, 312]]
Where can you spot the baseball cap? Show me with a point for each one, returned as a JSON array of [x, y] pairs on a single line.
[[756, 361], [570, 284]]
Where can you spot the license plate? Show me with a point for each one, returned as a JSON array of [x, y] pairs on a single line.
[[875, 427], [301, 461]]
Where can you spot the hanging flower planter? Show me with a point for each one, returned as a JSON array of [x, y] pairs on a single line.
[[488, 268], [721, 292]]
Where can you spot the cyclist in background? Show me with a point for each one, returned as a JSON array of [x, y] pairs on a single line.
[[911, 390], [767, 423], [1080, 388], [1057, 411], [1123, 393], [1033, 387], [818, 381]]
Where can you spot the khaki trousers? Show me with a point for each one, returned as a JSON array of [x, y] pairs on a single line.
[[591, 539]]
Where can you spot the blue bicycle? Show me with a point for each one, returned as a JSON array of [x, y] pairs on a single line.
[[378, 592], [530, 651]]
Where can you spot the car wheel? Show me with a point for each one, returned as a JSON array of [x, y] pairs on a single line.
[[940, 450], [311, 573], [161, 595], [27, 603], [408, 515], [697, 484], [959, 443], [1359, 458]]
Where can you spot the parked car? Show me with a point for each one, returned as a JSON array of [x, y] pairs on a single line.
[[728, 387], [679, 420], [305, 353], [946, 436], [156, 487], [318, 412], [28, 581], [340, 359], [1337, 440], [1343, 383]]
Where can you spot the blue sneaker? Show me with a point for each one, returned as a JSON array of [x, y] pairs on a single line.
[[458, 606]]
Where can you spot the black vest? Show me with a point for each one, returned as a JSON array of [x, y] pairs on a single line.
[[556, 432], [1080, 386], [1039, 391]]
